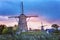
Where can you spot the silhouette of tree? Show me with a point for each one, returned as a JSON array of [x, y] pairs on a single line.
[[8, 30], [55, 26], [1, 28], [56, 31]]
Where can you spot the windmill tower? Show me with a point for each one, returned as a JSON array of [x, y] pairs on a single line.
[[22, 24]]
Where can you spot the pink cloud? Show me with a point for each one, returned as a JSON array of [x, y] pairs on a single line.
[[33, 22]]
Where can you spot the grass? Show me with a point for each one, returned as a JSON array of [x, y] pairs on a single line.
[[36, 35]]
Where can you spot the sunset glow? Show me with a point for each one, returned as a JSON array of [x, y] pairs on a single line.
[[33, 22], [48, 12]]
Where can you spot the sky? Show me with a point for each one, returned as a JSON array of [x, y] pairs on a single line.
[[47, 10]]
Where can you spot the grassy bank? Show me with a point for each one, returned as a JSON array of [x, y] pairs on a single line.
[[36, 35]]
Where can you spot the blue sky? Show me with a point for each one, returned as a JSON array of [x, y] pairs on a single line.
[[47, 8]]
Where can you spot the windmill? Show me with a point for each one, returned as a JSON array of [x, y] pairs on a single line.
[[22, 24], [42, 26]]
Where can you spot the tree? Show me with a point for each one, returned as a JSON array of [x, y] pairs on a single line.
[[2, 28], [8, 30], [56, 31], [55, 26]]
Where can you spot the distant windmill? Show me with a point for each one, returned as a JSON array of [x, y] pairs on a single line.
[[42, 26], [22, 24]]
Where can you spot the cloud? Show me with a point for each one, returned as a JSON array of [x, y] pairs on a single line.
[[8, 21], [48, 9], [33, 22], [3, 18]]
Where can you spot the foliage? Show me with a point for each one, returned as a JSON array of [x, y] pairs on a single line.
[[5, 31], [38, 35], [8, 34], [56, 31], [2, 28], [55, 26], [8, 30]]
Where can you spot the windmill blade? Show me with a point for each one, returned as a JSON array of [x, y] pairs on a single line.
[[22, 8], [13, 17], [45, 25], [31, 16], [41, 23]]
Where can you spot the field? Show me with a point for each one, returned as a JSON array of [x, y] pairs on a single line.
[[36, 35]]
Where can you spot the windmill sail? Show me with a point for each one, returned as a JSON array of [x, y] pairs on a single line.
[[22, 24], [22, 9]]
